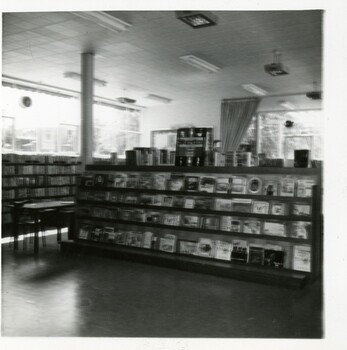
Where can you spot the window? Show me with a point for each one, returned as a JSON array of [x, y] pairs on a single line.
[[7, 134], [115, 130], [277, 140]]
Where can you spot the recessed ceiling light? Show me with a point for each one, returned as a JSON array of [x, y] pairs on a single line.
[[199, 63], [77, 76], [159, 98], [254, 89], [105, 20], [197, 19]]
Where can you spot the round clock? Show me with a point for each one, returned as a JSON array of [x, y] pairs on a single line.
[[255, 185]]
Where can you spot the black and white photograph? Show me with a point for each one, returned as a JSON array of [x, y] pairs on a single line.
[[153, 103]]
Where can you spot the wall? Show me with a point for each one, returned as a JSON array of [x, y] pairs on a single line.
[[205, 113]]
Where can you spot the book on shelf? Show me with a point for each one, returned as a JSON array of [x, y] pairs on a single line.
[[97, 233], [273, 256], [187, 247], [210, 222], [87, 180], [119, 180], [109, 234], [255, 185], [176, 182], [205, 248], [222, 184], [84, 232], [238, 185], [145, 181], [159, 181], [223, 250], [239, 250], [270, 187], [131, 198], [168, 243], [299, 209], [167, 201], [191, 221], [98, 196], [242, 205], [146, 199], [274, 229], [207, 184], [251, 226], [126, 214], [223, 204], [134, 239], [178, 201], [278, 208], [225, 223], [204, 203], [302, 258], [304, 187], [256, 254], [139, 215], [192, 183], [189, 203], [132, 181], [300, 229], [287, 187], [260, 207], [147, 240], [158, 200], [100, 180], [171, 219], [120, 237], [153, 217]]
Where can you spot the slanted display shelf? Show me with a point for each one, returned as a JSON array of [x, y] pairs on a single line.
[[261, 224]]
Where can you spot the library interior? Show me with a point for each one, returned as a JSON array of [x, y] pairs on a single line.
[[162, 174]]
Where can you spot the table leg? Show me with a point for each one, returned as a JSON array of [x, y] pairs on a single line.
[[36, 237], [15, 232]]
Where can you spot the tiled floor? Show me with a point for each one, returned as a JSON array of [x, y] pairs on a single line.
[[76, 295]]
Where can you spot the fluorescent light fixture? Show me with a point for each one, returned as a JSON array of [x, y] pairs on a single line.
[[159, 98], [286, 104], [199, 63], [254, 89], [77, 76], [105, 20], [197, 19]]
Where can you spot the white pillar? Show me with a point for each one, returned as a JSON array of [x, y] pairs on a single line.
[[87, 93]]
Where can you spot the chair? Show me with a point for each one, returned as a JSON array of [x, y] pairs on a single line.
[[21, 220]]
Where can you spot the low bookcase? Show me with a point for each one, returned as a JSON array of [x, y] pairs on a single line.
[[261, 224]]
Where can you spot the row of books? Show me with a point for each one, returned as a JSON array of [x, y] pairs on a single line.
[[37, 158], [23, 181], [9, 170], [149, 156], [204, 203], [236, 250], [285, 186], [39, 180], [296, 229], [33, 169]]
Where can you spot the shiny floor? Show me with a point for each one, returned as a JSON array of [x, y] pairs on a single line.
[[53, 295]]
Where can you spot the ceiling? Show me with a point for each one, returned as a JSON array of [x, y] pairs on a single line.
[[41, 46]]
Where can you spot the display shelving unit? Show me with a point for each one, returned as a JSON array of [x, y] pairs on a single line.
[[286, 275]]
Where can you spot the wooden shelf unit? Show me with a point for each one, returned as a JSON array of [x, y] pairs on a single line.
[[286, 275]]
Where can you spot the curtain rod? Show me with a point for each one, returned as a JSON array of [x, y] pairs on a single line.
[[290, 110], [266, 96]]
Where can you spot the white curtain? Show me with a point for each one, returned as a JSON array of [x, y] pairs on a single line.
[[236, 115]]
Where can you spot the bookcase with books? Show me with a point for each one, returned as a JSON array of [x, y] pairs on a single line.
[[37, 177], [254, 223]]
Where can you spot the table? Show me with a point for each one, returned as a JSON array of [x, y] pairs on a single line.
[[34, 209]]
